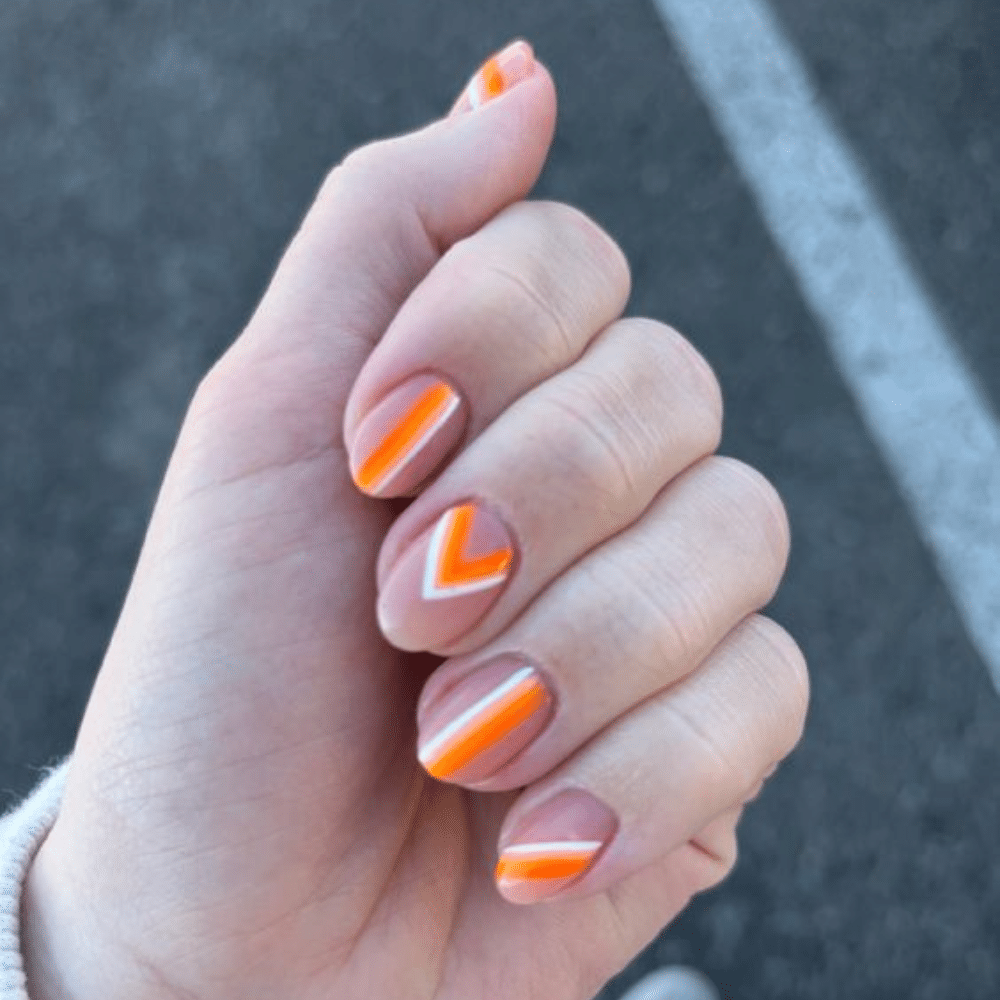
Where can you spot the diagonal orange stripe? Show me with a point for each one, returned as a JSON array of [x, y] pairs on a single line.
[[454, 568], [493, 78], [538, 868], [400, 439], [505, 716]]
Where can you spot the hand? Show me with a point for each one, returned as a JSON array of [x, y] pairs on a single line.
[[246, 815]]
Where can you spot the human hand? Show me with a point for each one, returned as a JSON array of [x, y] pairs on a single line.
[[245, 814]]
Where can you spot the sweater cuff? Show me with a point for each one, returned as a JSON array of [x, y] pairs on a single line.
[[21, 834]]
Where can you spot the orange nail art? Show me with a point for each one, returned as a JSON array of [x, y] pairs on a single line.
[[558, 844], [498, 75], [446, 579], [561, 859], [448, 572], [485, 724], [407, 437]]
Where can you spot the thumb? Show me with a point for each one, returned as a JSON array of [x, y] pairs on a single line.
[[257, 572], [381, 220]]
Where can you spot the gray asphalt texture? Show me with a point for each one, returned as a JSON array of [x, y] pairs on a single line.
[[155, 159]]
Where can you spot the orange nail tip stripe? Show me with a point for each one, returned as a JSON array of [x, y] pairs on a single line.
[[484, 723], [492, 77], [415, 428], [501, 72], [448, 573], [533, 862]]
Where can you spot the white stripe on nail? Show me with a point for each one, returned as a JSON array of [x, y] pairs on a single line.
[[553, 847], [429, 751]]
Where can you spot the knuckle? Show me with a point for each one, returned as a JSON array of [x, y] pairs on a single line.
[[522, 298], [215, 388], [538, 299], [782, 664], [339, 177], [722, 853], [665, 356], [544, 272], [602, 251], [359, 171], [359, 163], [583, 443], [704, 381], [718, 729], [760, 507]]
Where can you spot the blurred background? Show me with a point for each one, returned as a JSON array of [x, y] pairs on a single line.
[[155, 159]]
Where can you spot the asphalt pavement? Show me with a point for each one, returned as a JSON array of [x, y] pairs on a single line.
[[154, 161]]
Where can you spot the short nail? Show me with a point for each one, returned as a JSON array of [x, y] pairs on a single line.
[[484, 721], [405, 437], [447, 579], [554, 846], [497, 75]]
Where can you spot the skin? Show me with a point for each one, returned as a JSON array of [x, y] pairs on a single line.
[[245, 815]]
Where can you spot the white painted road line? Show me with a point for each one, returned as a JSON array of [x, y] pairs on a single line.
[[921, 404]]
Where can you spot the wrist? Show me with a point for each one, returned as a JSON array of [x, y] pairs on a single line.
[[43, 966], [64, 943]]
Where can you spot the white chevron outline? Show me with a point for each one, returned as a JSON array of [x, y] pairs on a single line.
[[431, 591]]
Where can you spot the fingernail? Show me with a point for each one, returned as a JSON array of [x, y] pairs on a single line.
[[446, 580], [399, 444], [497, 75], [484, 722], [554, 846]]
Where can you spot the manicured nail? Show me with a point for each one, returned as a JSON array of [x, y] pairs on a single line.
[[399, 444], [446, 580], [555, 846], [483, 722], [497, 75]]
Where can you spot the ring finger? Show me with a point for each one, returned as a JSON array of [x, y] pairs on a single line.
[[634, 617]]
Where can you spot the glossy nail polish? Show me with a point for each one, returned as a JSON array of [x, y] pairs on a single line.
[[497, 75], [447, 579], [406, 436], [553, 847], [483, 722]]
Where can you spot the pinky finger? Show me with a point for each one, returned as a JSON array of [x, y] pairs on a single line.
[[613, 807], [642, 904]]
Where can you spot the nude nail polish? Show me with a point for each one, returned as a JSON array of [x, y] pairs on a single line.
[[406, 436], [553, 847], [499, 74], [483, 722], [447, 579]]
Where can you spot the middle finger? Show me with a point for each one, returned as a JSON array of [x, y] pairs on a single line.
[[571, 463]]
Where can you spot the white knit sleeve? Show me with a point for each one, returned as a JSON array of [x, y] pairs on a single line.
[[21, 834]]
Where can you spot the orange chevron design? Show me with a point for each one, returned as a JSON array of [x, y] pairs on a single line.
[[546, 861], [448, 572], [427, 413]]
